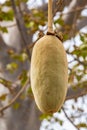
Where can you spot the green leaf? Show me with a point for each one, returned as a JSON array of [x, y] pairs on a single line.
[[7, 3], [29, 90], [59, 21], [12, 66], [6, 83], [82, 125], [30, 24], [19, 2], [79, 77], [3, 29], [16, 105], [21, 57], [11, 52], [61, 122], [24, 57], [7, 16], [65, 37], [45, 116], [81, 51], [25, 1], [23, 77], [82, 38], [58, 120], [22, 96], [83, 47], [3, 97]]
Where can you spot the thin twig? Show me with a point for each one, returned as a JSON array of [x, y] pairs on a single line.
[[10, 26], [71, 61], [74, 10], [78, 116], [21, 26], [70, 119], [15, 98], [73, 30], [58, 4], [76, 59]]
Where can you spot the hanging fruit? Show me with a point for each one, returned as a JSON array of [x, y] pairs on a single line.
[[49, 71]]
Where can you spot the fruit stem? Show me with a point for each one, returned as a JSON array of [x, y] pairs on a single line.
[[50, 17]]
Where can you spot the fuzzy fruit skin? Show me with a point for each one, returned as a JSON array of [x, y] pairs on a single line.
[[49, 74]]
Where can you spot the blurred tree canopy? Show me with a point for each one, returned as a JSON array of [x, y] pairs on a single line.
[[22, 22]]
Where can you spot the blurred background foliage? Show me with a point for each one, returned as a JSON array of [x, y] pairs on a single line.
[[34, 21]]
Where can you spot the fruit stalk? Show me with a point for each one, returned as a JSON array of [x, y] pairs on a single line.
[[50, 17]]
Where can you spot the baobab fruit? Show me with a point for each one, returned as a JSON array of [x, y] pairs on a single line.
[[49, 74]]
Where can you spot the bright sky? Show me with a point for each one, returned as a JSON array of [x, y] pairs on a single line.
[[2, 1]]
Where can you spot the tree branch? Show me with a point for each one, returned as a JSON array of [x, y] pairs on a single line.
[[68, 19], [77, 90], [74, 10], [77, 59], [14, 99], [81, 23], [2, 43], [21, 26], [70, 119]]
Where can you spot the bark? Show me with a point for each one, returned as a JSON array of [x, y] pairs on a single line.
[[81, 23], [26, 117], [69, 18], [77, 90]]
